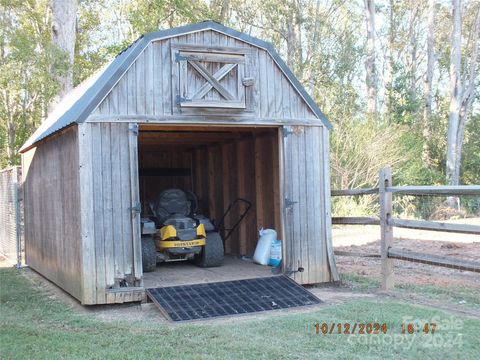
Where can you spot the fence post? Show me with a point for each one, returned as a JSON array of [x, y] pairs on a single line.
[[386, 236]]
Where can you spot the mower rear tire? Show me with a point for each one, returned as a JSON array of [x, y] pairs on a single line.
[[212, 253], [149, 254]]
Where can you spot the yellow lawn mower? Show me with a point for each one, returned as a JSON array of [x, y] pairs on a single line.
[[176, 232]]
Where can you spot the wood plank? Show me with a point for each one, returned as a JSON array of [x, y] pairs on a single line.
[[167, 91], [313, 203], [127, 238], [297, 221], [98, 211], [259, 186], [212, 174], [206, 117], [251, 218], [356, 254], [277, 194], [158, 95], [271, 91], [354, 192], [117, 193], [87, 214], [305, 228], [148, 74], [107, 207], [435, 190], [135, 198], [385, 180], [435, 226], [334, 276], [263, 84], [122, 90], [242, 191], [131, 92], [174, 77], [437, 260], [226, 193], [355, 220], [140, 90]]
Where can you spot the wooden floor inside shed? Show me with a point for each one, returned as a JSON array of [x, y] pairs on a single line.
[[186, 273]]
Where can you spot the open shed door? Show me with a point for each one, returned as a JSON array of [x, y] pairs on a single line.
[[306, 208], [112, 261]]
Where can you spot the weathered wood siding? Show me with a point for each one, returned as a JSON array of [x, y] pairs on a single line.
[[307, 218], [53, 243], [109, 173], [245, 169], [150, 87]]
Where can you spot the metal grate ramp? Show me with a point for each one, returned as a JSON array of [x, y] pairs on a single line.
[[203, 301]]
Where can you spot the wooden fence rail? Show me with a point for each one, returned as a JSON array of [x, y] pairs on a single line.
[[387, 223]]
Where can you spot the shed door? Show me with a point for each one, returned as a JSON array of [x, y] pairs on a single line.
[[117, 263], [305, 219]]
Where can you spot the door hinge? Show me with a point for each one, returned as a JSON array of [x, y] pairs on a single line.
[[134, 129], [181, 99], [179, 57], [289, 203], [286, 131], [136, 209]]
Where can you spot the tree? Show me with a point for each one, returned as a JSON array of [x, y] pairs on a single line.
[[371, 71], [428, 81], [64, 19], [30, 65], [462, 88]]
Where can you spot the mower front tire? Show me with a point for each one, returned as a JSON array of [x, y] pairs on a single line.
[[212, 253], [149, 254]]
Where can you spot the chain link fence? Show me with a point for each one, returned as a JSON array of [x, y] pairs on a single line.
[[11, 215]]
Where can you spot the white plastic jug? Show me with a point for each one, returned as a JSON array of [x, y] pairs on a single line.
[[262, 251], [275, 253]]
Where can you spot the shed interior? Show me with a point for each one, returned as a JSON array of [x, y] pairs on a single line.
[[219, 164]]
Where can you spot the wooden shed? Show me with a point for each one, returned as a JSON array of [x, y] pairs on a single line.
[[215, 109]]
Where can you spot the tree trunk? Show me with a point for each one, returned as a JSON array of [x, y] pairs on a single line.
[[467, 98], [455, 92], [390, 63], [412, 36], [64, 20], [371, 76], [428, 80]]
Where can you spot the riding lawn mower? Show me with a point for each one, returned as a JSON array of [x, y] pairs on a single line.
[[176, 232]]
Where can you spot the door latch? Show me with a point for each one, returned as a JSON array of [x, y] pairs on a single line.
[[289, 203], [136, 209]]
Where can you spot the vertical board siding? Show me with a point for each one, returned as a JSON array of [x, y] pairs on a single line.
[[306, 220], [244, 169], [114, 234], [53, 241], [151, 84]]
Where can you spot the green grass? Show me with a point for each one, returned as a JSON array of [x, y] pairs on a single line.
[[33, 326], [467, 297]]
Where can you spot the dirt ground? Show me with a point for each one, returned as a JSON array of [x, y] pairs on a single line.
[[366, 239]]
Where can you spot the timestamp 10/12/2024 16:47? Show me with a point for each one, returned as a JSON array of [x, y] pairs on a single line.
[[371, 328]]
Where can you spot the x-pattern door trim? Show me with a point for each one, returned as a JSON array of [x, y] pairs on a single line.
[[193, 60], [213, 81]]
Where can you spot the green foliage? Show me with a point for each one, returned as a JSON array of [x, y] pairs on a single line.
[[471, 152], [30, 63], [324, 43]]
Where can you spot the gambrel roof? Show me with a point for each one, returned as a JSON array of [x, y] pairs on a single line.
[[77, 105]]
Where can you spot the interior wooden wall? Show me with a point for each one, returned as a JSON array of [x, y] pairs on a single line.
[[51, 186], [222, 172], [155, 158]]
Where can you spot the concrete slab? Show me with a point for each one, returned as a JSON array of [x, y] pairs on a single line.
[[185, 273]]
